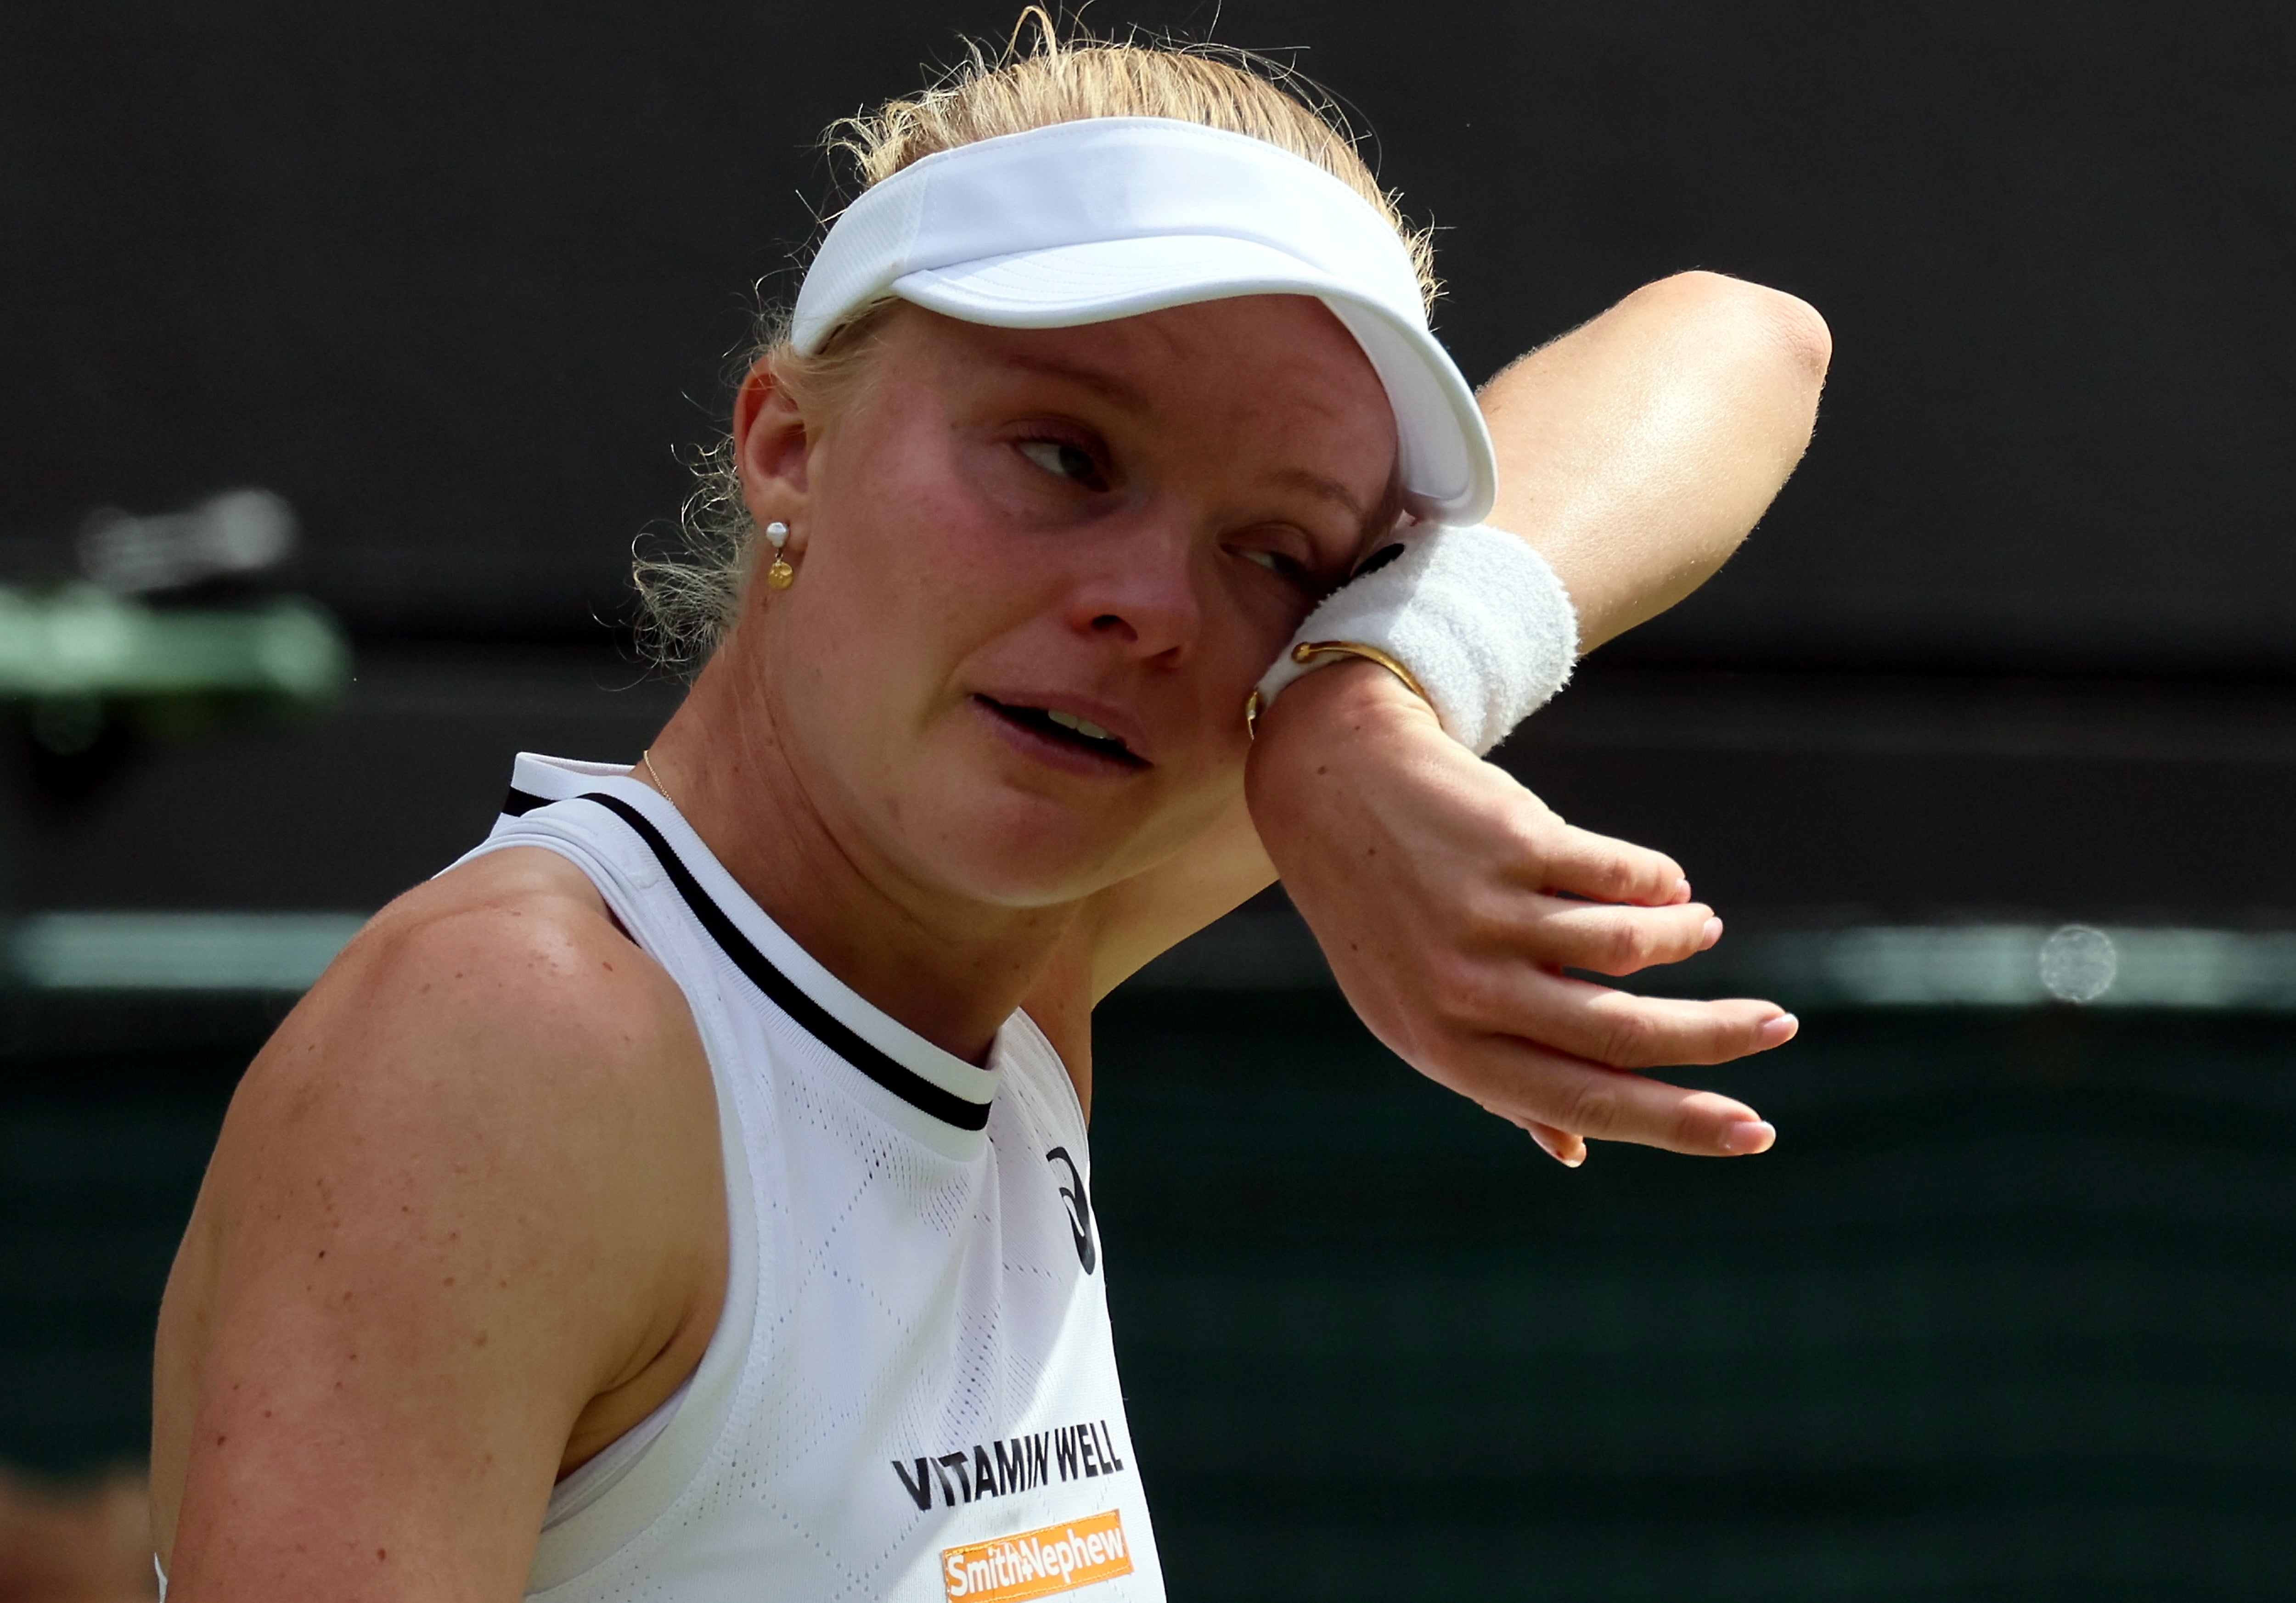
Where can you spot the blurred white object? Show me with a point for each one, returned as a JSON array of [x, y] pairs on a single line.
[[237, 532], [2078, 963], [84, 641], [179, 950], [1859, 966]]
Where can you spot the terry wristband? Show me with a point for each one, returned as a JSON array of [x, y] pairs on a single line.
[[1469, 618]]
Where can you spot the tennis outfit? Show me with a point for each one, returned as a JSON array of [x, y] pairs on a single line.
[[912, 1392]]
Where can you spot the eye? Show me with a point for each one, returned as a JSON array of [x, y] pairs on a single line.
[[1063, 459], [1290, 569]]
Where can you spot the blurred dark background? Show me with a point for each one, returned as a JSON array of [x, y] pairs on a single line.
[[460, 283], [2006, 1315]]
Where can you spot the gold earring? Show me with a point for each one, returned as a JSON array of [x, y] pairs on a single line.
[[781, 576]]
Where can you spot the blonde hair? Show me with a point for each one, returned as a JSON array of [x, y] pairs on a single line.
[[689, 599]]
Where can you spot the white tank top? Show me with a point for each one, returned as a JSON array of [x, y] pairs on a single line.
[[912, 1393]]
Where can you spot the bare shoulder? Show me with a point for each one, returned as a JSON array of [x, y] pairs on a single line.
[[504, 991], [468, 1200], [511, 931]]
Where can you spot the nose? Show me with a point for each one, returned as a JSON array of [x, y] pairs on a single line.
[[1139, 591]]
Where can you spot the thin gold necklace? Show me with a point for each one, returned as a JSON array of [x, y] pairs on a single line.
[[646, 757]]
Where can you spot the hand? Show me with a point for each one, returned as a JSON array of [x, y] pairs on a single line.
[[1442, 893]]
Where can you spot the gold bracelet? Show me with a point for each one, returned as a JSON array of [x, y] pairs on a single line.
[[1307, 651]]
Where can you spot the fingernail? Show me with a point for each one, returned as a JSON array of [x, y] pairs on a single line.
[[1749, 1136], [1779, 1030], [1548, 1147], [1710, 934], [1681, 891]]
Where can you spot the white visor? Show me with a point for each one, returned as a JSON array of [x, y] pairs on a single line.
[[1086, 221]]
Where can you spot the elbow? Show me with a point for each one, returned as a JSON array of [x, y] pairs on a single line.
[[1781, 331], [1795, 323]]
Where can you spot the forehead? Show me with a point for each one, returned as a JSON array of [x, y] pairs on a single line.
[[1259, 359]]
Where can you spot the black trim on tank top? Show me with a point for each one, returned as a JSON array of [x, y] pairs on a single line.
[[781, 991], [518, 803]]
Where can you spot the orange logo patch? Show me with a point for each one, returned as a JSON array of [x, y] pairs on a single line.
[[1037, 1563]]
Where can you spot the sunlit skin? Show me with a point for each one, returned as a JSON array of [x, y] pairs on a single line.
[[1006, 522]]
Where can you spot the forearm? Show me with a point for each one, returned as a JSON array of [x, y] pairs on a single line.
[[1638, 450]]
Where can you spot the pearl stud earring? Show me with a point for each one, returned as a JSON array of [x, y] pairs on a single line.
[[781, 576]]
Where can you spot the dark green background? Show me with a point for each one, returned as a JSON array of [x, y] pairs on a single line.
[[2008, 1313]]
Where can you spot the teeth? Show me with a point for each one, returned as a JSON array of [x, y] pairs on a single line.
[[1090, 731]]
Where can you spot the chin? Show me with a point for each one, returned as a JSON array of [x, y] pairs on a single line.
[[1029, 875], [1025, 853]]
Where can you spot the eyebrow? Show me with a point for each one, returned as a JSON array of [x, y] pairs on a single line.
[[1328, 489], [1105, 385], [1373, 523]]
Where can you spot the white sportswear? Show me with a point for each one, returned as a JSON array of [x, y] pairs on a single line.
[[912, 1393]]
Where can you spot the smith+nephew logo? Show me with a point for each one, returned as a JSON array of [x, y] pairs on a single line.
[[1037, 1563]]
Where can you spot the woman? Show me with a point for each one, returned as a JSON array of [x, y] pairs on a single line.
[[686, 1196]]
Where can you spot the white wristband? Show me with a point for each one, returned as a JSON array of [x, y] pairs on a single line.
[[1477, 616]]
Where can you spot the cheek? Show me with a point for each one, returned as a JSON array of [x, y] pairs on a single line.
[[1247, 623], [900, 580], [858, 642]]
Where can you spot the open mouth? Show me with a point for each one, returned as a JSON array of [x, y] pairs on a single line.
[[1066, 729]]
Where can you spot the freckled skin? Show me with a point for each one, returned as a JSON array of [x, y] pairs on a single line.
[[424, 1116]]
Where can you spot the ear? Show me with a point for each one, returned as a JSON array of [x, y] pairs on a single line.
[[772, 449]]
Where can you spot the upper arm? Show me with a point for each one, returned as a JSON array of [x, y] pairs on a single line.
[[428, 1239], [1638, 450]]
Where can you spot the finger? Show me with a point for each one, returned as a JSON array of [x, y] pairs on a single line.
[[1583, 863], [1568, 1149], [1620, 1030], [1611, 939], [1529, 1084], [1560, 1145], [1616, 1028]]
